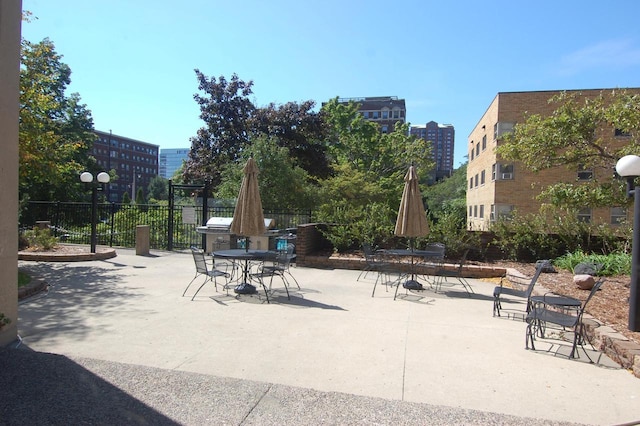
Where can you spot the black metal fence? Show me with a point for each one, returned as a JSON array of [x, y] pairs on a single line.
[[71, 222]]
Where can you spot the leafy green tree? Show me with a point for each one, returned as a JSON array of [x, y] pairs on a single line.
[[577, 135], [140, 199], [158, 188], [225, 109], [126, 199], [283, 184], [299, 129], [362, 195], [448, 196], [55, 131]]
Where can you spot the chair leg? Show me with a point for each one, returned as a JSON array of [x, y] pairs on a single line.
[[202, 285], [530, 336], [496, 306], [190, 282]]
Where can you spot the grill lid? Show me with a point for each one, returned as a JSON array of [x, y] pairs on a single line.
[[224, 223]]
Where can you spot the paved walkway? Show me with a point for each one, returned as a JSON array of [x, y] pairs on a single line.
[[114, 342]]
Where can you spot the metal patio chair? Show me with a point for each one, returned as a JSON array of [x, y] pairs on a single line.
[[543, 314], [209, 270], [500, 291]]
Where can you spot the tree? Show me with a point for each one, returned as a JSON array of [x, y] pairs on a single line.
[[140, 197], [575, 136], [362, 195], [158, 188], [283, 184], [225, 108], [55, 131], [297, 128]]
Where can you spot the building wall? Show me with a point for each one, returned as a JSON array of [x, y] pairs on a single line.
[[171, 160], [135, 163], [521, 191], [10, 20], [386, 111]]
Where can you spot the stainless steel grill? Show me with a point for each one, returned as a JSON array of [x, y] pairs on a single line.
[[219, 237]]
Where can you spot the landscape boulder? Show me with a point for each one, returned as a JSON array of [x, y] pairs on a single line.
[[584, 281]]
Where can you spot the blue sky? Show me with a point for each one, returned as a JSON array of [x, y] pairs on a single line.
[[133, 62]]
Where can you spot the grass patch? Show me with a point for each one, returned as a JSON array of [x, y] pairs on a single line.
[[23, 279]]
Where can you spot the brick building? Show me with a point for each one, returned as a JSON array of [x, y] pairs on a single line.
[[495, 188], [135, 163], [384, 110], [442, 136]]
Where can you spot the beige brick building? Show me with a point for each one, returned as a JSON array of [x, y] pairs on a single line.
[[496, 187]]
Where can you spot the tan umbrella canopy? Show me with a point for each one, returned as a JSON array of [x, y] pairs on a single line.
[[412, 219], [248, 218]]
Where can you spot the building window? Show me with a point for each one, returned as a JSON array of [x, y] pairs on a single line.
[[477, 150], [470, 183], [385, 115], [472, 151], [385, 129], [494, 169], [376, 115], [481, 214], [475, 211], [506, 171], [482, 177], [584, 215], [618, 215], [470, 211], [484, 142], [500, 211], [584, 173], [476, 180]]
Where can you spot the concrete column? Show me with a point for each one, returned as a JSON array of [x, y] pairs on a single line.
[[142, 240], [10, 21]]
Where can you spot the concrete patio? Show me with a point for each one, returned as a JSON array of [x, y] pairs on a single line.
[[330, 355]]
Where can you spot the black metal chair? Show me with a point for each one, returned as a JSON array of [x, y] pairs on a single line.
[[500, 291], [544, 313], [210, 272], [443, 274], [278, 266]]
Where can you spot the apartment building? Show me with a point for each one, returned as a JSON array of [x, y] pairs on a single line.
[[442, 137], [384, 110], [135, 163], [171, 160], [496, 187]]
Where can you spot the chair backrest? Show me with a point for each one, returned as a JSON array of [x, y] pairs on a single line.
[[463, 260], [368, 252], [198, 258], [593, 291]]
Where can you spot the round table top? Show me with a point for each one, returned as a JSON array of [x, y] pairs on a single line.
[[241, 253]]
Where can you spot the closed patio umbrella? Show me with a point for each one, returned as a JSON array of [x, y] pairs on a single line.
[[412, 219], [248, 218]]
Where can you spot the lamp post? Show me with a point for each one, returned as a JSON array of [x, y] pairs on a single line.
[[629, 167], [103, 178]]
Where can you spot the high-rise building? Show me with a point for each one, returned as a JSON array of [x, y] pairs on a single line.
[[135, 163], [171, 160], [496, 187], [442, 137], [384, 110]]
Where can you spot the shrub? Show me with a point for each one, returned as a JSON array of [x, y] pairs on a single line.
[[612, 264], [39, 239]]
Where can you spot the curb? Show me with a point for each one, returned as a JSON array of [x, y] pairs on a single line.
[[102, 254]]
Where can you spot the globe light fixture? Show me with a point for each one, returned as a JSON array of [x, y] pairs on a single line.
[[628, 167], [86, 177]]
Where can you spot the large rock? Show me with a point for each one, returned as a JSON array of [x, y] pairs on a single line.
[[584, 281], [587, 268]]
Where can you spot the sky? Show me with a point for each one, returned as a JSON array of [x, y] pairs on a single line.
[[133, 62]]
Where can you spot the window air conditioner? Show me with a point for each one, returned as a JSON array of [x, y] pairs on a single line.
[[507, 176]]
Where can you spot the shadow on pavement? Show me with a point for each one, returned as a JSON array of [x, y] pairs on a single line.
[[52, 389]]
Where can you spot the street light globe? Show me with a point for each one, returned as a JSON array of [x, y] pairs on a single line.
[[628, 166], [103, 177], [86, 177]]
